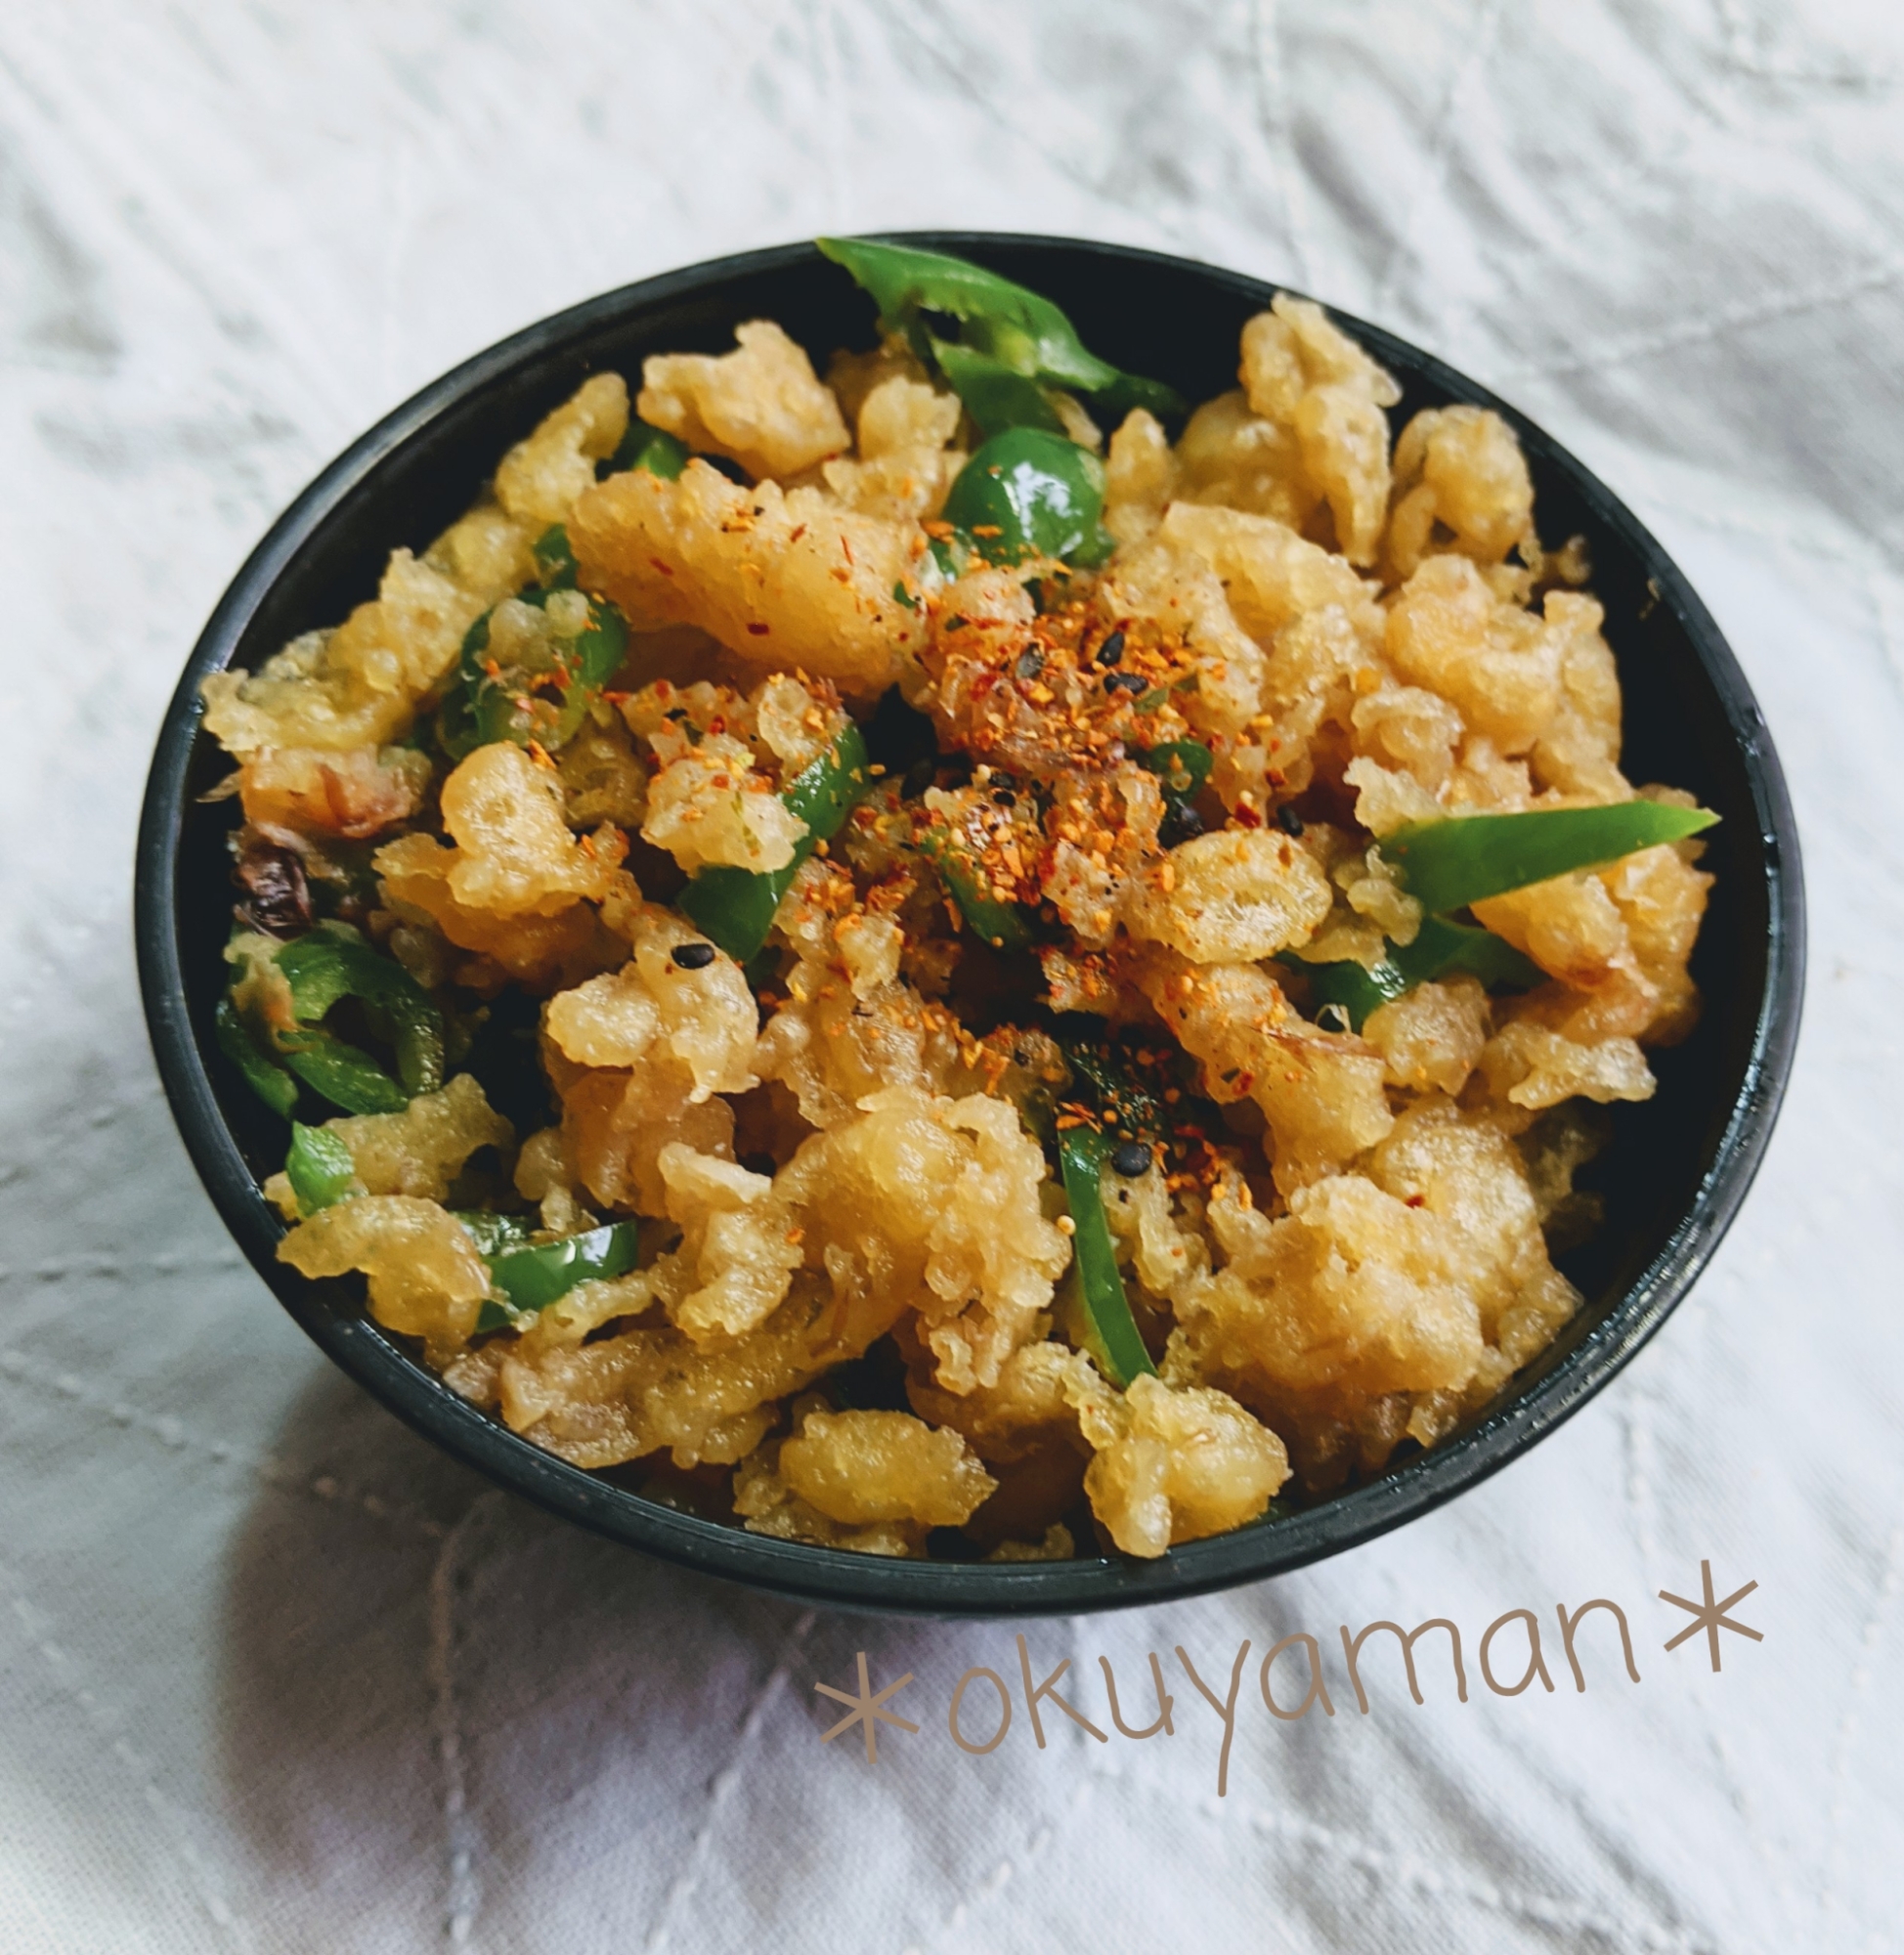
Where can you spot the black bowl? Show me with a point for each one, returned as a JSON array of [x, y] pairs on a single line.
[[1672, 1182]]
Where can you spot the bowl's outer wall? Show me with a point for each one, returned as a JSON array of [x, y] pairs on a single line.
[[1681, 1166]]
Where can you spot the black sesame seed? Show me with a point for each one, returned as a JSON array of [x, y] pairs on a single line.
[[693, 956], [1031, 661], [1112, 650], [1124, 682], [1288, 820], [1004, 798], [1181, 823], [1130, 1159]]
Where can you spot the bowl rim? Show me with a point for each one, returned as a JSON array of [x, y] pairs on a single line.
[[336, 1322]]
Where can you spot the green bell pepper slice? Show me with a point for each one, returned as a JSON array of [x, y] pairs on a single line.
[[1009, 329], [1182, 765], [1002, 924], [1042, 494], [735, 906], [1440, 949], [643, 447], [318, 1168], [331, 963], [555, 567], [547, 706], [1449, 864], [995, 395], [494, 1235], [322, 968], [265, 1076], [1105, 1327], [533, 1275]]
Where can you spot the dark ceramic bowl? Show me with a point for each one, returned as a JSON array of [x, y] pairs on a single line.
[[1672, 1180]]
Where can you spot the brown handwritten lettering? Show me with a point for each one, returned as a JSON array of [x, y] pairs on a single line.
[[1568, 1623], [1164, 1702], [1048, 1688], [1319, 1691], [1536, 1665], [997, 1738], [1406, 1638], [1226, 1709]]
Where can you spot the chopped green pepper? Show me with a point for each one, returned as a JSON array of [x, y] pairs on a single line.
[[318, 1168], [735, 906], [1037, 494], [1005, 330], [266, 1078], [556, 566], [534, 1275], [547, 696], [1182, 765], [650, 448], [1439, 949], [493, 1233], [995, 395], [1447, 865], [331, 963], [1100, 1082], [1105, 1327], [320, 968], [952, 554], [1002, 924]]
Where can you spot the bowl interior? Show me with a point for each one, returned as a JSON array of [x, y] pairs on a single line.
[[1671, 1180]]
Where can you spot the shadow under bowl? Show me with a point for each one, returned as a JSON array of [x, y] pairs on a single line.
[[1673, 1180]]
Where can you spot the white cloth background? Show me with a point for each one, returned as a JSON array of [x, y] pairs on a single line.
[[273, 1676]]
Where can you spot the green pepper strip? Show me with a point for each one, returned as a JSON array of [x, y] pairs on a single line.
[[1043, 493], [995, 395], [1110, 1330], [318, 1168], [532, 1276], [510, 706], [643, 447], [1005, 328], [1181, 766], [1439, 949], [331, 963], [736, 906], [265, 1076], [493, 1235], [555, 567], [1447, 865], [1002, 924]]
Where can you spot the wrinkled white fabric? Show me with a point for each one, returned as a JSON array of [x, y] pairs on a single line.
[[273, 1675]]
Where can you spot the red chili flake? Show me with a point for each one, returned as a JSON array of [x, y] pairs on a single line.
[[1246, 816], [798, 531], [845, 543], [1417, 1201], [758, 631], [660, 566]]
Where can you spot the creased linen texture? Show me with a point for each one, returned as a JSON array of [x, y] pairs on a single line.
[[273, 1674]]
